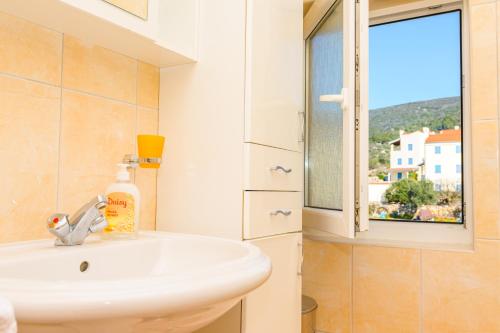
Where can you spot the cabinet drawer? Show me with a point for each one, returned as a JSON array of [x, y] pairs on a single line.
[[271, 213], [272, 169]]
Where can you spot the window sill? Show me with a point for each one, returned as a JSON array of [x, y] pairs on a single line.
[[323, 236]]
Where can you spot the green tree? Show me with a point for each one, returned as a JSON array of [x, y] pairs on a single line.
[[411, 194]]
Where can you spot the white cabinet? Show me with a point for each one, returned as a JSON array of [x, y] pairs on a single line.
[[230, 121], [274, 77], [276, 305]]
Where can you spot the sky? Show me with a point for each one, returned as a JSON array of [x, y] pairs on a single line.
[[415, 60]]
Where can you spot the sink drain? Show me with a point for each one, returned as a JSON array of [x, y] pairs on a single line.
[[84, 266]]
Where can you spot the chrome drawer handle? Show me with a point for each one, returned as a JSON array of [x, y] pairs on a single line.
[[282, 212], [280, 168]]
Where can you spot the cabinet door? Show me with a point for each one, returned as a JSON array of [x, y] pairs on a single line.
[[274, 74], [276, 305]]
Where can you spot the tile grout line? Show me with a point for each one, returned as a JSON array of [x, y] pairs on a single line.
[[59, 145], [136, 132], [156, 171], [421, 300], [488, 239], [352, 288], [498, 100], [15, 76]]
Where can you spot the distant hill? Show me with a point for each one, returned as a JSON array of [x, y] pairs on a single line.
[[385, 123], [436, 114]]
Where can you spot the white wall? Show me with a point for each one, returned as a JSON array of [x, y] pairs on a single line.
[[376, 192], [448, 159], [202, 118], [417, 139]]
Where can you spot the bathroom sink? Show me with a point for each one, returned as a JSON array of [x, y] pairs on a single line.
[[161, 282]]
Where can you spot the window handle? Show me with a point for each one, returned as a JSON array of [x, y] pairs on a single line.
[[282, 212], [341, 98], [280, 168]]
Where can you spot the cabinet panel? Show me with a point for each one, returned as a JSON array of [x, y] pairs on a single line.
[[274, 75], [275, 306], [272, 169], [271, 213]]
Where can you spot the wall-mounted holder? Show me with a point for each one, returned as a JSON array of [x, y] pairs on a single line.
[[150, 148], [134, 161]]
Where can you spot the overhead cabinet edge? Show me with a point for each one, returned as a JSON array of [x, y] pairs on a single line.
[[100, 23]]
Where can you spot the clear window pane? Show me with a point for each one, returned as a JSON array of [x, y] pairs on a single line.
[[324, 142], [415, 153]]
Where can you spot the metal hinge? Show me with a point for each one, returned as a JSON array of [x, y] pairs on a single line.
[[356, 215]]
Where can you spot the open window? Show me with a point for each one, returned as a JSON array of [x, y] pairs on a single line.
[[336, 95], [394, 166]]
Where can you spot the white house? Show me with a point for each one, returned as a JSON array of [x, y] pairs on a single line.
[[407, 153], [443, 160], [433, 156]]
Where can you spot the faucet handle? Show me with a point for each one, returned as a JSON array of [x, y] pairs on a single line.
[[99, 224], [58, 225]]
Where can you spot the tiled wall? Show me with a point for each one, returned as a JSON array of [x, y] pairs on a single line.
[[69, 111], [364, 289]]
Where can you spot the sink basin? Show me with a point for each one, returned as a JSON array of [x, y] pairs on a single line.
[[161, 282]]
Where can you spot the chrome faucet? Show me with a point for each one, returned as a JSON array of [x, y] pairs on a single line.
[[86, 220]]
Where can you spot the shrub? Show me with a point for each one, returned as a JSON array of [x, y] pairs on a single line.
[[411, 194]]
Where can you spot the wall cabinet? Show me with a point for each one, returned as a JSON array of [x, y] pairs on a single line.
[[274, 104], [233, 154]]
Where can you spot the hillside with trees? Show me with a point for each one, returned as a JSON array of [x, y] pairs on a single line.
[[385, 123]]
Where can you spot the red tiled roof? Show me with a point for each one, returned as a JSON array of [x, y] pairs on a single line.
[[450, 135]]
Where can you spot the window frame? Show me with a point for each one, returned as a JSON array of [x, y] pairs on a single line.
[[333, 220], [439, 234]]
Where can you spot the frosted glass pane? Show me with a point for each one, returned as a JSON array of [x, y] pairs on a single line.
[[324, 155]]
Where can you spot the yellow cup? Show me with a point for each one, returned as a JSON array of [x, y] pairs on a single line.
[[150, 146]]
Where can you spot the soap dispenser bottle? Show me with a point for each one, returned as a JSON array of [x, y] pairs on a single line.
[[123, 209]]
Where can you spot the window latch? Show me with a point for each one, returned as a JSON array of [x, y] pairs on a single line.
[[340, 98]]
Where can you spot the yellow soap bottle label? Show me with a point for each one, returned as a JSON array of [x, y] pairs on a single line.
[[120, 212]]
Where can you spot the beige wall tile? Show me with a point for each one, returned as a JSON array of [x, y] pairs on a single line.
[[95, 134], [486, 184], [29, 135], [99, 71], [484, 61], [147, 121], [148, 85], [478, 2], [145, 179], [461, 291], [29, 50], [327, 278], [386, 286]]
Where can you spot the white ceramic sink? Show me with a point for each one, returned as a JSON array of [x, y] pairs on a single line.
[[161, 282]]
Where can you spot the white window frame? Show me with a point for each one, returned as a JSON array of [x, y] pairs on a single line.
[[432, 235]]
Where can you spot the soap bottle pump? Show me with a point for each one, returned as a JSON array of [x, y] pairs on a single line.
[[123, 209]]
